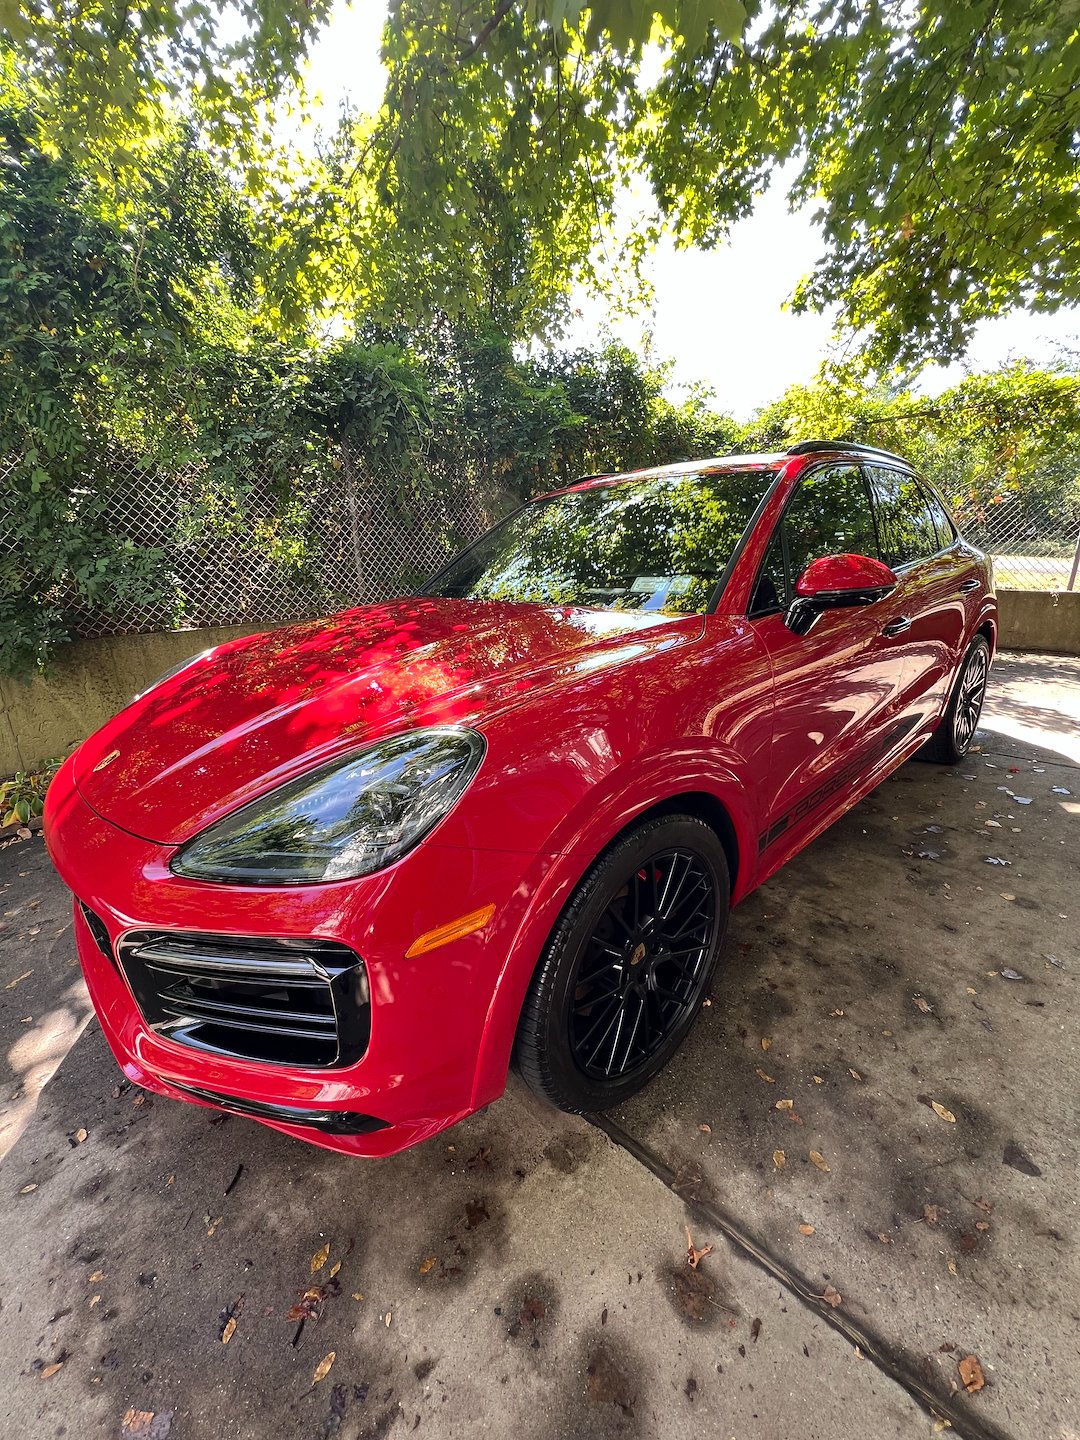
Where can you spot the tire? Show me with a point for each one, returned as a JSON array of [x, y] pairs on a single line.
[[615, 952], [952, 739]]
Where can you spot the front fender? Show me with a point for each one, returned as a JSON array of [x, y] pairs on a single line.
[[578, 840]]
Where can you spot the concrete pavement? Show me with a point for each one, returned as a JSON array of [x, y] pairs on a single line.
[[525, 1274]]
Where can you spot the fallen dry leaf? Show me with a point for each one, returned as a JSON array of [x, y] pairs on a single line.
[[357, 1295], [930, 1214], [818, 1079], [51, 1369], [428, 1264], [319, 1259], [80, 1136], [816, 1158], [211, 1226], [854, 1074], [323, 1367], [27, 1189], [982, 1224], [229, 1331], [705, 1129], [832, 1297], [146, 1425], [952, 1267], [389, 1318], [971, 1373], [883, 1238], [785, 1104], [96, 1276], [942, 1113], [94, 1300], [24, 976], [766, 1041], [806, 1229], [921, 1004], [334, 1269], [762, 1076], [307, 1307], [693, 1255], [778, 1158], [984, 1205], [837, 1013]]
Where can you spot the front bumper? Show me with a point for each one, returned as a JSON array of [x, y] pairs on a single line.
[[418, 1073]]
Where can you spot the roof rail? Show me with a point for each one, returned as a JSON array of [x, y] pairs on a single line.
[[812, 447]]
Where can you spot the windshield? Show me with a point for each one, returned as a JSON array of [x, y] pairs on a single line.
[[659, 543]]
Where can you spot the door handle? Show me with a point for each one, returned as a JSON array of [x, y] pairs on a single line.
[[969, 585], [898, 626]]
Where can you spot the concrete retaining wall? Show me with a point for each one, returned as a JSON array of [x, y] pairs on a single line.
[[92, 679], [1046, 620], [89, 681]]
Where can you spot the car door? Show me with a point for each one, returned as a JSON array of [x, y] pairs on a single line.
[[917, 539], [837, 688]]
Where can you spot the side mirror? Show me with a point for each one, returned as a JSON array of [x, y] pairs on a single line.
[[837, 581]]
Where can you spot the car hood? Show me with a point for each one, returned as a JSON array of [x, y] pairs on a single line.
[[257, 711]]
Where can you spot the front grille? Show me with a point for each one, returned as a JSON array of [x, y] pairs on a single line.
[[286, 1002]]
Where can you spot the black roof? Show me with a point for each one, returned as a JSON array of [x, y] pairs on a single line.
[[774, 457], [812, 447]]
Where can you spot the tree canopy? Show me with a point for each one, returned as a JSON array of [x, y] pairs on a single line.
[[941, 141], [521, 147]]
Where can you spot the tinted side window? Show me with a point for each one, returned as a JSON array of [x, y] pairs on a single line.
[[771, 587], [905, 524], [829, 515], [946, 530]]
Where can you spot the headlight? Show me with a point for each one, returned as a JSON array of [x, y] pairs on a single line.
[[356, 815]]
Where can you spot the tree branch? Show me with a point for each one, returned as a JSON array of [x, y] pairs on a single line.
[[504, 9]]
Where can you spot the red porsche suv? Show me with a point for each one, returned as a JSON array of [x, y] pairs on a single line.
[[338, 876]]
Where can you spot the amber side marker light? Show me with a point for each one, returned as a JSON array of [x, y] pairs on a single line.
[[443, 934]]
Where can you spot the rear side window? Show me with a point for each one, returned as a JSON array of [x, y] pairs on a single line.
[[946, 530], [906, 528]]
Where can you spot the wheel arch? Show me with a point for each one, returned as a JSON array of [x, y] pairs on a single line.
[[726, 815]]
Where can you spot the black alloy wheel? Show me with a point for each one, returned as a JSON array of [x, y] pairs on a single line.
[[955, 733], [625, 971], [970, 696]]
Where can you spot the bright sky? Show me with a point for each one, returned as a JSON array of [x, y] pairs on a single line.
[[717, 314]]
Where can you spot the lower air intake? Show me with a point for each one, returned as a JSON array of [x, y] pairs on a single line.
[[286, 1002]]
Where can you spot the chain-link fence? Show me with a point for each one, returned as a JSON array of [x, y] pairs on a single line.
[[1034, 539], [356, 533], [244, 555]]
